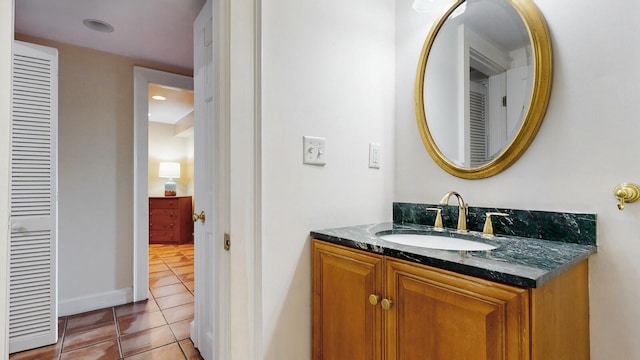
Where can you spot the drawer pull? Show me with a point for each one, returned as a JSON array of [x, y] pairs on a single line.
[[373, 299], [386, 304]]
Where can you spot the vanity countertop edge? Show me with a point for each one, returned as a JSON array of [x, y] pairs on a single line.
[[522, 262]]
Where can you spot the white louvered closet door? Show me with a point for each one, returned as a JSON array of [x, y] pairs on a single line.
[[32, 265]]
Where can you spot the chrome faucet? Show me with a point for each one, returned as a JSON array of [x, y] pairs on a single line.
[[462, 209]]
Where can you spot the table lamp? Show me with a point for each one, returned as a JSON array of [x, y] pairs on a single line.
[[169, 170]]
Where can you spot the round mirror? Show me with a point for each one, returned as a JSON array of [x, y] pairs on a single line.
[[483, 85]]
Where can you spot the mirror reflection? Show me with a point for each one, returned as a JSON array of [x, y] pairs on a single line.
[[480, 72]]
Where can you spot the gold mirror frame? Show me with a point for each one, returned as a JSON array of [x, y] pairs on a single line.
[[541, 91]]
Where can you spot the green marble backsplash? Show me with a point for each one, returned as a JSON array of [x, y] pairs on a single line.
[[555, 226]]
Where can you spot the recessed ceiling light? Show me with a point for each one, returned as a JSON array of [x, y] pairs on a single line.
[[98, 25], [159, 97]]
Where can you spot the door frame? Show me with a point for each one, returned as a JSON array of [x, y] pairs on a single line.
[[141, 79]]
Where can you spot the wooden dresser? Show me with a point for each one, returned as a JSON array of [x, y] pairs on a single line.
[[170, 220]]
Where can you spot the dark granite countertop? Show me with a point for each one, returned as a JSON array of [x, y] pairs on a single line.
[[519, 261]]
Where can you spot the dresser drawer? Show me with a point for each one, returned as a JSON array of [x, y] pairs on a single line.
[[162, 236], [162, 214], [163, 203], [162, 222]]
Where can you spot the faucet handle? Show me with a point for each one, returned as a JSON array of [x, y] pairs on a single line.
[[438, 223], [488, 226]]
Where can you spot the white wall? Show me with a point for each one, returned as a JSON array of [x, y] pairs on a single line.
[[327, 70], [164, 145], [587, 144]]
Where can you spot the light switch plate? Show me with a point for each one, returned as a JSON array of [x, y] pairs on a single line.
[[374, 155], [314, 150]]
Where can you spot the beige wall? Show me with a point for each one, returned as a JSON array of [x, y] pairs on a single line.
[[587, 144], [164, 145], [95, 238]]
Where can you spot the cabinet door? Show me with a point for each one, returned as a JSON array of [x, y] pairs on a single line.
[[345, 324], [438, 315]]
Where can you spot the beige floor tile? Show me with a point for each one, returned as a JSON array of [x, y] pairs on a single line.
[[167, 352], [163, 281], [139, 322], [107, 350], [172, 289], [139, 307], [175, 300], [178, 313], [89, 320], [189, 350], [181, 329], [180, 270], [158, 268], [160, 274], [85, 338], [146, 340]]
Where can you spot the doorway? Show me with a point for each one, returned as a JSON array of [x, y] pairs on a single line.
[[142, 78]]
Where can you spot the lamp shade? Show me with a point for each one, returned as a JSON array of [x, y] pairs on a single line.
[[169, 170]]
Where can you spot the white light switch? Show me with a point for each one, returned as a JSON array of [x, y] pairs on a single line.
[[374, 156], [313, 150]]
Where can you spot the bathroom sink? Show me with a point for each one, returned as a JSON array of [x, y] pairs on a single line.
[[436, 242]]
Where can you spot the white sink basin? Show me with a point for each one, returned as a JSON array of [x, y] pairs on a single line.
[[437, 242]]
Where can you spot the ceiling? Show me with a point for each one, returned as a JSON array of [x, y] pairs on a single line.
[[178, 104], [154, 30]]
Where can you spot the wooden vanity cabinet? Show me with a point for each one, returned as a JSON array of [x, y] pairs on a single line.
[[170, 220], [437, 314], [345, 325]]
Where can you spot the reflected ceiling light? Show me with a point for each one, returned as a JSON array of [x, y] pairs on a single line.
[[159, 97], [98, 25]]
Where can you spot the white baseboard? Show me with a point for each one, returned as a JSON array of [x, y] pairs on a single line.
[[102, 300]]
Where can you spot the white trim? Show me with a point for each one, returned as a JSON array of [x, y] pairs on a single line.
[[97, 301], [6, 41], [141, 79], [245, 183], [256, 283]]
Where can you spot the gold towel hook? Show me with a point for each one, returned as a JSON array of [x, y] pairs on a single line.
[[626, 193]]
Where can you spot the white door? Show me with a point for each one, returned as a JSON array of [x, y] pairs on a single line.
[[211, 260], [32, 247]]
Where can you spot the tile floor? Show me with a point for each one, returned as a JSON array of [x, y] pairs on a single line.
[[154, 329]]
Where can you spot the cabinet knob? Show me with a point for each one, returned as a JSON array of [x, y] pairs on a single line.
[[373, 299], [386, 304]]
